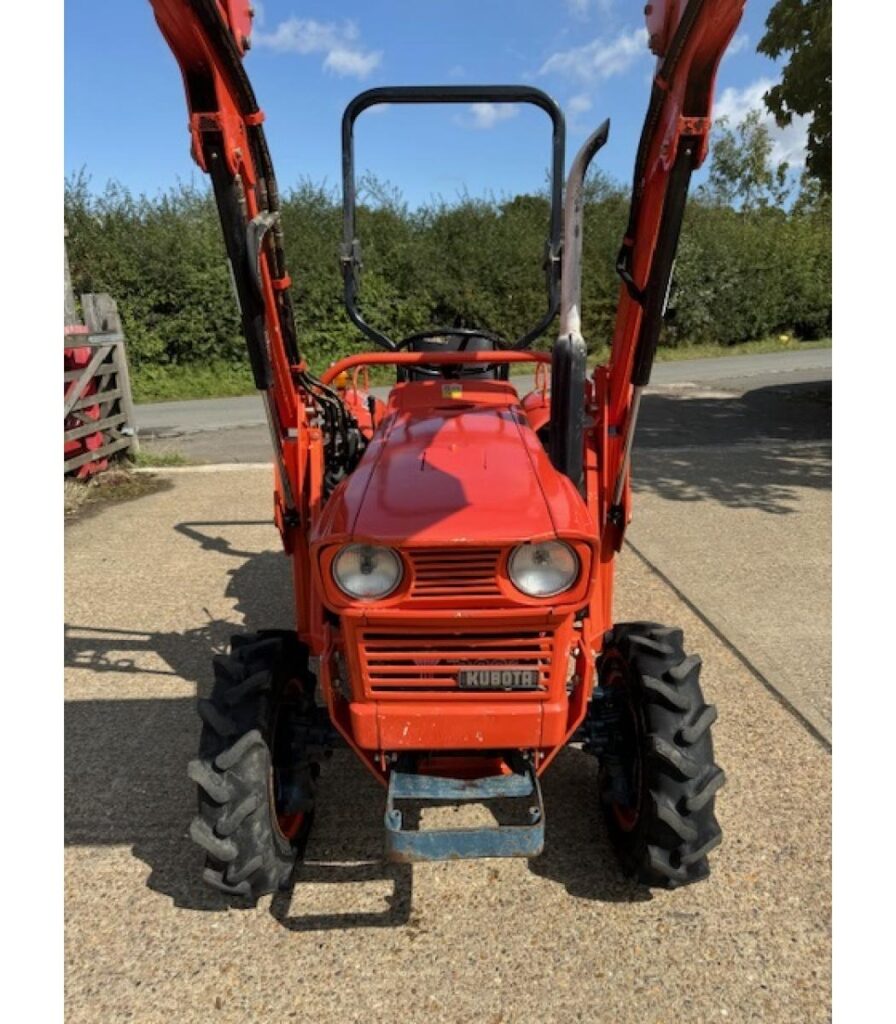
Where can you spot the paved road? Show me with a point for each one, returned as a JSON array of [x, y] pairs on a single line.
[[173, 419], [558, 939]]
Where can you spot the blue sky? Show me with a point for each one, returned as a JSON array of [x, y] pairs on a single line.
[[125, 115]]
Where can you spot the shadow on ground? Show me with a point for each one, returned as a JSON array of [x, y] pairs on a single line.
[[780, 413], [126, 784], [743, 451]]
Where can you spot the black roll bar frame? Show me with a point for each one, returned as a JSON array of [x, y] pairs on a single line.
[[350, 252]]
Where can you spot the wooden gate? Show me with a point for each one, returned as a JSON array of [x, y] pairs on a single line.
[[99, 413]]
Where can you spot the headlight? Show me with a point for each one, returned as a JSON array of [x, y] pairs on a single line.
[[542, 570], [367, 572]]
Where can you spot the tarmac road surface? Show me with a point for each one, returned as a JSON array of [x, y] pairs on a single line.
[[175, 419], [154, 586]]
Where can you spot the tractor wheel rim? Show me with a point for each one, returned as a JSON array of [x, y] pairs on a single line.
[[289, 823], [627, 817]]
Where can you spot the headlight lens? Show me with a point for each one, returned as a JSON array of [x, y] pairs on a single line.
[[542, 570], [367, 572]]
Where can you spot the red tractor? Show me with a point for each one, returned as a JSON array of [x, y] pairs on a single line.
[[453, 547]]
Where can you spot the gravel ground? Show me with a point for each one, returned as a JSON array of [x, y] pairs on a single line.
[[150, 594], [745, 532]]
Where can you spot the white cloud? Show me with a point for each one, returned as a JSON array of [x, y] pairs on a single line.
[[340, 44], [787, 143], [599, 59], [579, 104], [582, 8], [305, 35], [352, 62], [487, 115], [740, 42], [576, 108]]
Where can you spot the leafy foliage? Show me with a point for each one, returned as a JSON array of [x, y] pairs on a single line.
[[748, 266], [802, 29], [742, 172]]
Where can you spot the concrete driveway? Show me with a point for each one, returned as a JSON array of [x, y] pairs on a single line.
[[156, 585], [732, 506]]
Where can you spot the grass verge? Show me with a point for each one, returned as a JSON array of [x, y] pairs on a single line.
[[682, 353], [202, 380], [227, 380], [782, 343], [115, 484], [155, 458]]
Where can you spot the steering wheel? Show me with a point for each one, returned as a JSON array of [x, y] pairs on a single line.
[[455, 370]]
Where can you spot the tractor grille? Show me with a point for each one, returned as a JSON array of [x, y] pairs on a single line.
[[441, 573], [397, 663]]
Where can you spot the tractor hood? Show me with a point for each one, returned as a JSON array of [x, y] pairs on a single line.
[[451, 465]]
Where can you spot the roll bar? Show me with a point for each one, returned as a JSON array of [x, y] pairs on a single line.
[[429, 359], [350, 255]]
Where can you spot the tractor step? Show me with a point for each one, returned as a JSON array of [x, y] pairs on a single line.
[[406, 845]]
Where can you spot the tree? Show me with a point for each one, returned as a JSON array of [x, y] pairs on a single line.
[[802, 28], [742, 172]]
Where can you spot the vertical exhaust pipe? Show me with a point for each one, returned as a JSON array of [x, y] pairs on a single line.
[[573, 223], [568, 361]]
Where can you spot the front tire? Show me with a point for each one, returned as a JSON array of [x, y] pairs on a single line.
[[254, 778], [658, 776]]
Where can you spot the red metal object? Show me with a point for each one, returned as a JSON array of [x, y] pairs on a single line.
[[685, 110], [239, 15], [454, 475], [662, 16], [77, 357], [429, 359], [290, 824]]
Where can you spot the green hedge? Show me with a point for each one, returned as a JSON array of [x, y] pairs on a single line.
[[741, 274]]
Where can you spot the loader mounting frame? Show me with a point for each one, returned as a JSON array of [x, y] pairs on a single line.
[[455, 474]]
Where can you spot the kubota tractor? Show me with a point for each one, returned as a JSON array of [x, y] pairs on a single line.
[[453, 546]]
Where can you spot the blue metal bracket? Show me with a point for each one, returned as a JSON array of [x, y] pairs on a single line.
[[463, 843]]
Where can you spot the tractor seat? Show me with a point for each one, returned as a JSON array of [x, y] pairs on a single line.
[[475, 343]]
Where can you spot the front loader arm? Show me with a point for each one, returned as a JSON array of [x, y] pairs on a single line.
[[689, 37], [208, 39], [309, 424]]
